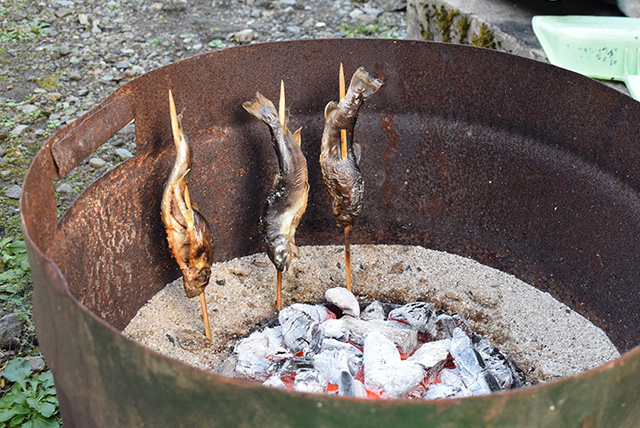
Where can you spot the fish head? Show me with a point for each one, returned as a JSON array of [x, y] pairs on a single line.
[[195, 280], [280, 253]]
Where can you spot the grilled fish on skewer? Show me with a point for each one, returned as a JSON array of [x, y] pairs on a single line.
[[287, 200], [342, 176], [187, 230]]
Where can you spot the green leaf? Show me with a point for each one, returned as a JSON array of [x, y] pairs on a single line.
[[45, 409], [18, 370], [40, 422], [11, 288], [6, 415]]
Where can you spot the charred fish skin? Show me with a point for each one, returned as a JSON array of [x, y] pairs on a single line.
[[287, 200], [188, 232], [343, 176]]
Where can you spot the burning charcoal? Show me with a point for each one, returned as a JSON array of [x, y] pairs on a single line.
[[464, 356], [329, 344], [452, 380], [350, 387], [275, 382], [333, 362], [293, 364], [418, 315], [253, 367], [405, 340], [374, 311], [496, 363], [431, 354], [384, 371], [311, 380], [344, 299], [445, 324], [334, 329], [440, 390], [267, 344], [297, 323]]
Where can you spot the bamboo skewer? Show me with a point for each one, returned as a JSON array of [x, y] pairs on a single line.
[[343, 132], [343, 147], [205, 316], [281, 117]]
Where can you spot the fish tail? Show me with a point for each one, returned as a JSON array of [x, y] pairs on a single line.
[[363, 83], [262, 108]]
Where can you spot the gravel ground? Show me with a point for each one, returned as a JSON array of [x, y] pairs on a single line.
[[65, 56], [60, 58], [546, 339]]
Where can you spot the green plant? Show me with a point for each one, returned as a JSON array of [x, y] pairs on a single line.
[[32, 401], [15, 265], [22, 32], [216, 43], [370, 30]]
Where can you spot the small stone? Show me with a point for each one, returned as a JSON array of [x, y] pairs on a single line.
[[245, 36], [83, 92], [10, 329], [2, 151], [122, 64], [75, 75], [18, 130], [128, 73], [37, 364], [83, 19], [156, 7], [64, 188], [96, 163], [96, 29], [55, 96], [64, 49], [63, 12], [29, 109]]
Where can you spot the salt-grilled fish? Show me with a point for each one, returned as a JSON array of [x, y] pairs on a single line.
[[342, 176], [187, 230], [287, 200]]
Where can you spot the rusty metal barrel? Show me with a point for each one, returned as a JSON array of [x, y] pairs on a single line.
[[517, 164]]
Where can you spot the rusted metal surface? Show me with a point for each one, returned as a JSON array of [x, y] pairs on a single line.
[[515, 163]]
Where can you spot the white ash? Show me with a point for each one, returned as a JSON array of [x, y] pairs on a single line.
[[543, 336]]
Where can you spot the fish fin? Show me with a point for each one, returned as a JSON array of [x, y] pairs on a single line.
[[261, 108], [297, 137], [331, 106]]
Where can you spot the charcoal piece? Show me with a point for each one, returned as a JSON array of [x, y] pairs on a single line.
[[293, 364], [344, 299], [311, 380], [445, 324], [405, 340], [496, 363], [464, 356], [267, 344], [298, 322], [384, 371], [350, 387], [441, 390], [374, 311], [333, 362], [253, 367], [431, 354], [419, 315], [334, 329], [329, 344], [275, 381], [452, 378]]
